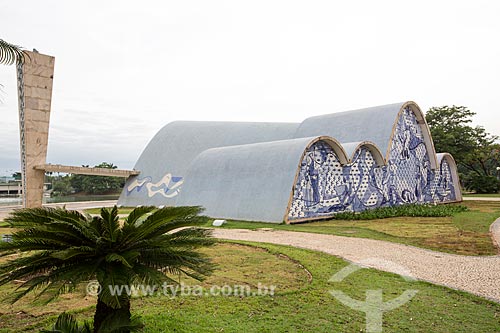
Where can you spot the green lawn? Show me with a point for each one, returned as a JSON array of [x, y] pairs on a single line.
[[464, 233], [121, 210], [302, 302]]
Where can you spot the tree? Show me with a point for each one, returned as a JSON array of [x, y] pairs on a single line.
[[475, 151], [78, 180], [59, 249], [61, 185], [97, 184]]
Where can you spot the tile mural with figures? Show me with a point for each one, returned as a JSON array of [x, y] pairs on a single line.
[[324, 186]]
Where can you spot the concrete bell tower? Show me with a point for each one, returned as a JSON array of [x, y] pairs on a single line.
[[34, 81]]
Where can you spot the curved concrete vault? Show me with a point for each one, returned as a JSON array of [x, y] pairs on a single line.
[[275, 172]]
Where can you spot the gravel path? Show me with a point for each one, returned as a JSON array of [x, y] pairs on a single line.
[[478, 275]]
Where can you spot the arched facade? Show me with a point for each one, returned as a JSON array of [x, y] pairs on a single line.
[[348, 161], [325, 186]]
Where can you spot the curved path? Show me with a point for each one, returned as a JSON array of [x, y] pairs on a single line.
[[478, 275]]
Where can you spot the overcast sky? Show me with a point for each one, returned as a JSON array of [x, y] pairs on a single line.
[[124, 69]]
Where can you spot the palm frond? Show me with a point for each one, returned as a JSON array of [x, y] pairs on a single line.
[[114, 257], [120, 322], [165, 220], [173, 260], [49, 284], [110, 225], [74, 251], [27, 287], [151, 276], [28, 217], [189, 237], [138, 213], [57, 220], [60, 249], [114, 282], [66, 323], [10, 53]]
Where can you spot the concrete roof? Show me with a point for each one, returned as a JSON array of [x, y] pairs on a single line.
[[207, 154], [351, 148], [242, 182], [254, 180], [375, 124], [176, 145]]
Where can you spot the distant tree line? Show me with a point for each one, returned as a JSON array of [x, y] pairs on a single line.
[[70, 184], [476, 151]]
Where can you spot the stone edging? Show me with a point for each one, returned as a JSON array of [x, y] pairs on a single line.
[[495, 233]]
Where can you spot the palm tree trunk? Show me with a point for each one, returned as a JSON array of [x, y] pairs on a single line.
[[103, 311]]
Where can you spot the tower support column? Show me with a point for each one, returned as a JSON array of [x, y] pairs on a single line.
[[34, 81]]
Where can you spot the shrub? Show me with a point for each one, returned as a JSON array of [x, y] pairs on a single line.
[[413, 210]]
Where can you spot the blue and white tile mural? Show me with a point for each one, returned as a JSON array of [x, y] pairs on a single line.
[[168, 186], [324, 186]]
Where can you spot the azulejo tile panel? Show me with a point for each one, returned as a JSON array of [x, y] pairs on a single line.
[[168, 186], [324, 186]]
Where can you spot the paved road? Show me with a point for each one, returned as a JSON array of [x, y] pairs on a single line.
[[5, 210], [481, 198]]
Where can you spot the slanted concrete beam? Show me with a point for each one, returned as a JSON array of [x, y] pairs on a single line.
[[86, 171]]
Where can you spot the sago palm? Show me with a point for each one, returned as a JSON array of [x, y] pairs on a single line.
[[59, 249]]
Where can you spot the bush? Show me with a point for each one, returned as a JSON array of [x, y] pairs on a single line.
[[414, 210], [483, 184]]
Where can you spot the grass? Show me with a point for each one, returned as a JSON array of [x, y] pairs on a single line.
[[31, 314], [121, 210], [465, 233], [445, 228], [299, 304]]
